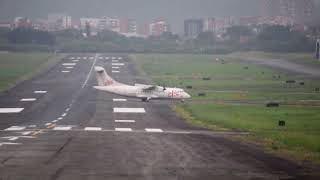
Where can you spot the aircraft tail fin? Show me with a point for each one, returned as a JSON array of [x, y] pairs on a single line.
[[103, 78]]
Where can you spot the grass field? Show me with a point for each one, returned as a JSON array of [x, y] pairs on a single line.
[[231, 80], [18, 66]]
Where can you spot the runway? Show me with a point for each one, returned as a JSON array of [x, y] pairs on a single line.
[[56, 126]]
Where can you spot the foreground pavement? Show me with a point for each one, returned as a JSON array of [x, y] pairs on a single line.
[[56, 126]]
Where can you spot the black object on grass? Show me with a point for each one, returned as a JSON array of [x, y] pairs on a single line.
[[282, 123], [189, 87], [272, 104], [206, 78], [202, 94]]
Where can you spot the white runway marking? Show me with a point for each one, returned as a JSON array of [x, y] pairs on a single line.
[[69, 64], [62, 128], [100, 57], [120, 58], [116, 71], [69, 67], [115, 67], [153, 130], [123, 129], [72, 57], [117, 64], [113, 58], [48, 124], [32, 126], [8, 143], [88, 76], [125, 121], [11, 110], [119, 100], [68, 109], [75, 60], [78, 57], [115, 61], [84, 57], [26, 133], [65, 71], [15, 128], [55, 121], [64, 114], [129, 110], [60, 118], [28, 99], [106, 58], [40, 92], [93, 129]]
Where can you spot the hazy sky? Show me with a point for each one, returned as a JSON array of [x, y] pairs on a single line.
[[172, 10]]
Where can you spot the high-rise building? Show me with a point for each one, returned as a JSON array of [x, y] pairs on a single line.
[[158, 27], [128, 25], [300, 11], [209, 24], [193, 27]]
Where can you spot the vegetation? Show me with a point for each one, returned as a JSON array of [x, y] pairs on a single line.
[[236, 96], [236, 38], [18, 66]]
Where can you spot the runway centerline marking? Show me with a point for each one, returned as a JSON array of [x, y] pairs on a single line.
[[129, 110], [153, 130], [88, 76], [92, 128], [119, 100], [123, 129], [40, 92], [28, 99], [15, 128], [11, 110], [125, 121], [64, 114]]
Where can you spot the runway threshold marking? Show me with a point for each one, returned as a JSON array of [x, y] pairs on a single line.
[[8, 143], [75, 60], [28, 99], [117, 64], [129, 110], [92, 128], [88, 76], [62, 128], [123, 129], [154, 130], [69, 64], [119, 100], [69, 67], [15, 128], [125, 121], [11, 110], [116, 71], [65, 71], [115, 60], [120, 58], [115, 67], [107, 58], [40, 92]]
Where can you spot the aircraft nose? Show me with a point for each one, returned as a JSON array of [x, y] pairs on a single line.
[[187, 96]]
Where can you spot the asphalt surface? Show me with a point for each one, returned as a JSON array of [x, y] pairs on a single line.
[[71, 132]]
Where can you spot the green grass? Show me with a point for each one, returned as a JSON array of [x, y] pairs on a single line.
[[231, 81], [17, 66]]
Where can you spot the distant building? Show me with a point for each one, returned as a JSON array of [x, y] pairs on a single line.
[[22, 22], [41, 25], [158, 27], [301, 11], [209, 25], [58, 22], [5, 25], [93, 22], [128, 26], [193, 27]]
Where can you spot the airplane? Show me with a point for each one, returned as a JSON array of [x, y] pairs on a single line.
[[141, 91]]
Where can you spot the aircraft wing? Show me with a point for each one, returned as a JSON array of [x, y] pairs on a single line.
[[145, 87]]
